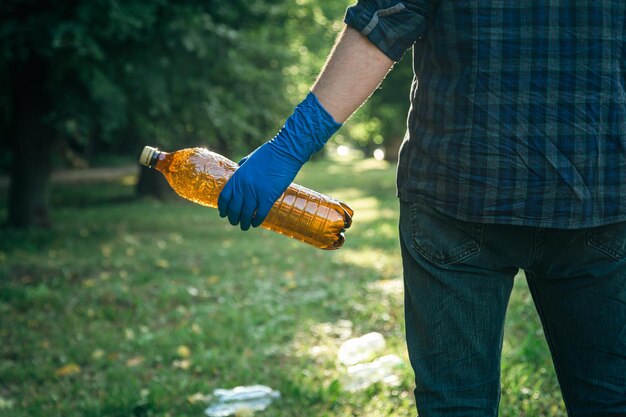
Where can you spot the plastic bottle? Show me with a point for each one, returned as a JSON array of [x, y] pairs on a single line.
[[199, 175], [361, 348], [244, 400], [362, 375]]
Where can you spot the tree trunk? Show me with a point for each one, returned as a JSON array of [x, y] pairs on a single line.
[[151, 183], [392, 147], [32, 137]]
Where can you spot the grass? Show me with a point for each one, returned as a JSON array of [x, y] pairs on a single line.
[[129, 308]]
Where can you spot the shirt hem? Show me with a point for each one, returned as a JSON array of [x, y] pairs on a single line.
[[512, 220]]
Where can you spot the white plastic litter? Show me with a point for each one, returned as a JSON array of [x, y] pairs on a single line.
[[363, 375], [361, 349], [252, 398]]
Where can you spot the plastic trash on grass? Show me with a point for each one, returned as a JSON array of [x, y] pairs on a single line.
[[242, 400], [365, 366], [361, 349], [363, 375]]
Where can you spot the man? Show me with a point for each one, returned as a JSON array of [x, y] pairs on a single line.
[[515, 158]]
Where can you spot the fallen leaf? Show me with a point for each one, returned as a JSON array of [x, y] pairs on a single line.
[[196, 328], [137, 360], [182, 364], [290, 285], [69, 369], [162, 263], [183, 351], [198, 397], [97, 354]]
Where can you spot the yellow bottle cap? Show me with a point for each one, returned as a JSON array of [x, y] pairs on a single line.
[[146, 155]]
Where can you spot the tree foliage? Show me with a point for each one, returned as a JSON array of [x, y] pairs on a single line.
[[381, 122], [103, 76], [174, 72]]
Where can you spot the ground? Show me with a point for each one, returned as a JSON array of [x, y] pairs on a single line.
[[140, 308]]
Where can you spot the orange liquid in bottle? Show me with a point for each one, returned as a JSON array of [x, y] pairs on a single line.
[[199, 175]]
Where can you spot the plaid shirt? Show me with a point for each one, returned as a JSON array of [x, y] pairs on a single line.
[[518, 109]]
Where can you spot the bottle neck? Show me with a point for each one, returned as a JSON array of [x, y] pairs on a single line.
[[161, 161], [154, 159]]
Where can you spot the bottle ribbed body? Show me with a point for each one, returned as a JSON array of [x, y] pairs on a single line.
[[199, 175]]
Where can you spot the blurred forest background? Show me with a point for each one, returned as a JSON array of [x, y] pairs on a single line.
[[116, 306], [89, 83]]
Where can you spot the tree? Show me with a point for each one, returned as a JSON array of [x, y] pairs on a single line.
[[102, 76], [142, 71]]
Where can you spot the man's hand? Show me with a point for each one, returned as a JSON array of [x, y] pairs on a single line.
[[267, 172], [252, 190]]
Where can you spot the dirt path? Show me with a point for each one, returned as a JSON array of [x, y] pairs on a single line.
[[76, 176]]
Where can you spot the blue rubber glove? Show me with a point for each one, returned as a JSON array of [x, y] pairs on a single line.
[[267, 172]]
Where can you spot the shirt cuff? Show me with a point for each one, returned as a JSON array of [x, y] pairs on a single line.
[[393, 26]]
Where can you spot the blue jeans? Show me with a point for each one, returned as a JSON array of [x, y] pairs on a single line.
[[458, 277]]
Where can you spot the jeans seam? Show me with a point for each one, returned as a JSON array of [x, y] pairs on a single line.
[[544, 324], [537, 247]]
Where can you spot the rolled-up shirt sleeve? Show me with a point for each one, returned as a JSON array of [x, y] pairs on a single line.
[[393, 26]]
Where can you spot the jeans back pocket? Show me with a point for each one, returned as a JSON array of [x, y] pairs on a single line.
[[441, 239], [609, 239]]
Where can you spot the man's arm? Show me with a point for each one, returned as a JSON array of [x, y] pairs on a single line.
[[382, 31], [352, 72]]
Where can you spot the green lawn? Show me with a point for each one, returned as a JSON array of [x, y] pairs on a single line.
[[129, 308]]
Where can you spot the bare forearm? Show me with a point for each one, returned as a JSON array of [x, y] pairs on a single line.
[[353, 71]]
